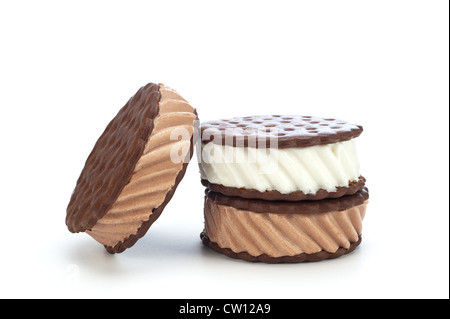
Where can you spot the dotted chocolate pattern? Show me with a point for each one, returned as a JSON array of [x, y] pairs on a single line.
[[111, 163], [285, 130]]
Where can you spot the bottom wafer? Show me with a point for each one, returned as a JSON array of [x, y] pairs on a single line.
[[322, 255], [276, 232]]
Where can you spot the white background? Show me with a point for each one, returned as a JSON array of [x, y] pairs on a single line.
[[67, 67]]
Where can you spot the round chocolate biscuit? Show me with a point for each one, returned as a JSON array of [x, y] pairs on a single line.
[[130, 175], [274, 195], [285, 130], [278, 232], [284, 207]]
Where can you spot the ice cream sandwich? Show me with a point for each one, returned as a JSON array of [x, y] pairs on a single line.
[[134, 168], [282, 188]]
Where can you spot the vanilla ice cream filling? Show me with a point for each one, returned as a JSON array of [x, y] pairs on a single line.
[[288, 170]]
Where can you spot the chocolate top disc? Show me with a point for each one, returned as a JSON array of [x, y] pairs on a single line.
[[110, 165], [285, 130]]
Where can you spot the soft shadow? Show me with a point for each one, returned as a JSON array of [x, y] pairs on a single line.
[[211, 255], [162, 244], [95, 257], [158, 249]]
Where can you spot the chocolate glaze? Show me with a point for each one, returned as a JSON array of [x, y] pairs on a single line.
[[283, 207], [111, 163], [291, 131], [322, 255], [352, 188]]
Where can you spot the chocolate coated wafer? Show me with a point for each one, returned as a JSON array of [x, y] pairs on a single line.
[[134, 168], [275, 232]]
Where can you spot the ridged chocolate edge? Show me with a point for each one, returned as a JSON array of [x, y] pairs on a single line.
[[283, 207], [353, 188], [132, 239], [322, 255]]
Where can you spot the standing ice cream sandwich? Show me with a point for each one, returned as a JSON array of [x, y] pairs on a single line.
[[134, 168], [282, 188]]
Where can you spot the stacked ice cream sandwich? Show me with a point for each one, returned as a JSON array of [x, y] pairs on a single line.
[[282, 188]]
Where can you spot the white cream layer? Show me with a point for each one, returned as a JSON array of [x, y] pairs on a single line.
[[306, 169]]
